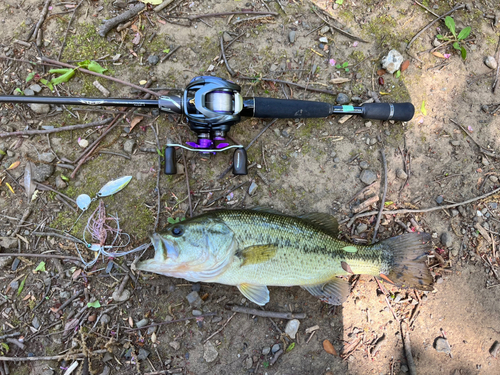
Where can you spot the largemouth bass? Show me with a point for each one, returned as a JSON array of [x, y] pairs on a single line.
[[254, 249]]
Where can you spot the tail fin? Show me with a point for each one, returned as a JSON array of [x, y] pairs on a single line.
[[405, 261]]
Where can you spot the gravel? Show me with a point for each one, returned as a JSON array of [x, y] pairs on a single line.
[[291, 36], [266, 350], [401, 174], [292, 327], [275, 348], [42, 172], [490, 62], [128, 146], [142, 323], [342, 98], [439, 199], [40, 109], [364, 165], [210, 353], [194, 299], [446, 239], [175, 345], [442, 345], [153, 59]]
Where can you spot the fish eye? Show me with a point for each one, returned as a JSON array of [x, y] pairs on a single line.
[[177, 231]]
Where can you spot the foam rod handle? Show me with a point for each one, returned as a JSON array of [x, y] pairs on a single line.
[[388, 111], [284, 108]]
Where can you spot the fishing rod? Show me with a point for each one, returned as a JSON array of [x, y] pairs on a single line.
[[212, 105]]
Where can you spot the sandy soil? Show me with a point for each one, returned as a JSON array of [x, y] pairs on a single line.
[[302, 166]]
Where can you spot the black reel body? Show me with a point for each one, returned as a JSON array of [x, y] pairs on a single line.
[[211, 105]]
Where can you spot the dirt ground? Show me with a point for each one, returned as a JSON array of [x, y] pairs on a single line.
[[299, 166]]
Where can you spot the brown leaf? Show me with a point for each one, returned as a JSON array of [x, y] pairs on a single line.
[[438, 54], [405, 65], [130, 322], [381, 72], [339, 80], [327, 345], [135, 121], [14, 165]]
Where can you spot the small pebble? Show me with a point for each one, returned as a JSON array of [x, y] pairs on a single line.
[[142, 323], [210, 353], [248, 363], [60, 183], [252, 188], [401, 174], [455, 143], [105, 319], [364, 165], [485, 161], [324, 30], [454, 212], [196, 287], [194, 299], [362, 228], [40, 109], [292, 327], [128, 146], [266, 350], [15, 263], [439, 199], [442, 345], [323, 39], [151, 330], [493, 178], [143, 354], [291, 36], [446, 239], [29, 92], [153, 59], [196, 312], [368, 124], [490, 62], [175, 345], [275, 348], [342, 98], [35, 323], [92, 318], [368, 177], [36, 88]]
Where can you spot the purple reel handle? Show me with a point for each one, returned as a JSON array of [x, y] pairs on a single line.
[[207, 144]]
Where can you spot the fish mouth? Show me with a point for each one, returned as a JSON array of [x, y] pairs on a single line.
[[163, 248]]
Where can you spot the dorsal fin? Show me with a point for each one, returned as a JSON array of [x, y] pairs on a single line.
[[326, 222]]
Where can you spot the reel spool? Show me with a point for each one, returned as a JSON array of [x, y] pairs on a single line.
[[211, 105]]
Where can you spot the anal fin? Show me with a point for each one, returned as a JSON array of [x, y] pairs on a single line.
[[334, 292], [258, 294]]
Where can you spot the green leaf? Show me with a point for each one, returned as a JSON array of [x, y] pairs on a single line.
[[439, 36], [32, 74], [65, 77], [388, 203], [40, 267], [2, 152], [84, 64], [344, 65], [19, 91], [422, 108], [463, 52], [290, 347], [464, 33], [398, 73], [171, 220], [63, 177], [47, 83], [60, 70], [450, 23], [5, 346], [96, 68], [166, 50], [347, 70], [340, 2], [21, 286], [338, 66], [456, 46], [265, 364], [94, 304]]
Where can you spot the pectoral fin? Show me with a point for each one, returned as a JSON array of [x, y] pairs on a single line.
[[258, 294], [334, 292], [257, 254]]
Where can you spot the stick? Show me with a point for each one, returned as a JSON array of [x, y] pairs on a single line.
[[382, 204], [56, 130], [387, 301], [163, 5], [338, 29], [409, 357], [67, 30], [267, 314], [207, 15], [216, 332], [169, 54], [231, 71], [47, 60], [54, 357], [157, 178], [288, 83], [461, 6], [113, 22], [40, 21], [27, 255], [430, 209]]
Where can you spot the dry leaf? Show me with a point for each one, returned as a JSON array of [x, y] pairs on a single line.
[[130, 322], [135, 121], [405, 65], [14, 165], [135, 28], [327, 345], [10, 188], [340, 80], [76, 274], [381, 72], [438, 54], [29, 186]]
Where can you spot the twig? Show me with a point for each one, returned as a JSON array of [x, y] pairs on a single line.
[[167, 56], [430, 209], [427, 9], [13, 334], [221, 328], [382, 204], [45, 10], [172, 321], [207, 15], [157, 178], [461, 6], [231, 71], [67, 30], [409, 356], [494, 85], [114, 153], [266, 314], [26, 214], [115, 21], [387, 301], [47, 60], [54, 357], [28, 255], [56, 130], [288, 83], [343, 32], [254, 18]]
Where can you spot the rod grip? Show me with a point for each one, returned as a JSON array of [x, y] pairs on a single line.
[[285, 108], [388, 111]]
